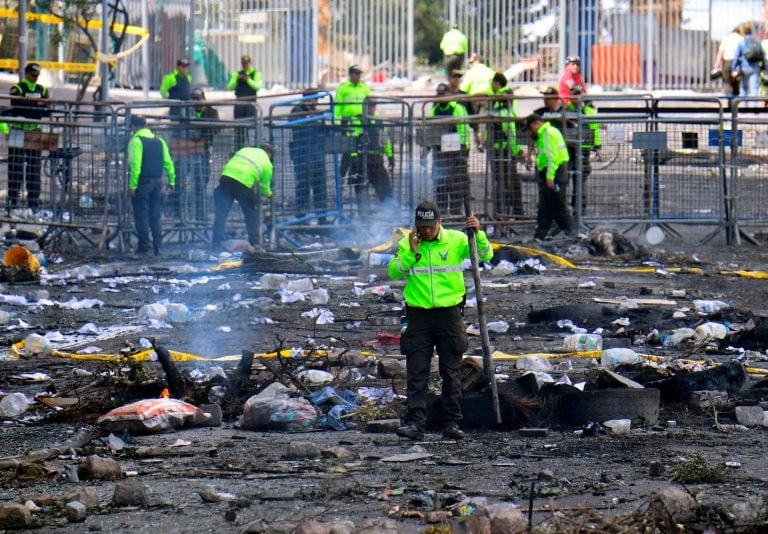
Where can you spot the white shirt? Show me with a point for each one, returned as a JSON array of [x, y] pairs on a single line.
[[729, 44]]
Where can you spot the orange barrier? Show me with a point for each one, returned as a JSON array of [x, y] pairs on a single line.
[[614, 65]]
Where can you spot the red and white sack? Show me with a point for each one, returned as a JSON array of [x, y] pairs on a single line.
[[153, 415]]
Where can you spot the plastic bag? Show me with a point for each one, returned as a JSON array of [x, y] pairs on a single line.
[[153, 415], [277, 414]]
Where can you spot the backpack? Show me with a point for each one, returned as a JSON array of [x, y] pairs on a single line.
[[752, 50]]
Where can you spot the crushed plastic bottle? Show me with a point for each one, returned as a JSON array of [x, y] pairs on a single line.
[[619, 427], [36, 344], [619, 356], [178, 313], [709, 306], [583, 342], [302, 284], [14, 405], [710, 330], [679, 335], [498, 327], [319, 296], [533, 363], [156, 312], [273, 281]]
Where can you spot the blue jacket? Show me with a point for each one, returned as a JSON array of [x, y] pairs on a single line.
[[740, 59]]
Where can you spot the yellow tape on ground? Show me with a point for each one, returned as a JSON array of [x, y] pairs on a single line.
[[227, 265], [746, 274], [147, 355], [535, 252]]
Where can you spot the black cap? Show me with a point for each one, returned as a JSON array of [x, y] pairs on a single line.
[[182, 63], [442, 89], [573, 59], [549, 91], [530, 119], [138, 121], [354, 69], [427, 214], [32, 68]]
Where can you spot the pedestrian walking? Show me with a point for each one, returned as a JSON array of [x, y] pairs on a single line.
[[430, 259]]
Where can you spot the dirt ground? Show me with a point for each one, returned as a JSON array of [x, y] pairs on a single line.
[[572, 482]]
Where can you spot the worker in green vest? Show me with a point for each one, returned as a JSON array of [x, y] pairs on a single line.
[[454, 46], [504, 149], [348, 111], [552, 170], [450, 158], [245, 178], [246, 83], [177, 85], [590, 144], [430, 259]]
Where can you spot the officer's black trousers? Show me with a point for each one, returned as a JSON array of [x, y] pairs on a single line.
[[147, 204], [224, 196], [552, 203]]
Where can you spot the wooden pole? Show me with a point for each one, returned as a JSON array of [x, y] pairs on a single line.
[[490, 373]]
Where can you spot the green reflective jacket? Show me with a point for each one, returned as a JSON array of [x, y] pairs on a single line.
[[594, 126], [454, 43], [251, 166], [349, 100], [551, 151], [4, 129], [505, 109], [136, 155], [436, 280], [453, 109], [253, 79], [169, 80], [477, 80]]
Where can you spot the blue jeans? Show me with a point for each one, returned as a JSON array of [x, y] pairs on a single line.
[[750, 86]]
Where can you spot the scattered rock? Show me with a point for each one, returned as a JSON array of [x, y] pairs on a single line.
[[749, 511], [391, 368], [382, 426], [342, 527], [341, 453], [380, 526], [14, 516], [750, 415], [706, 400], [88, 496], [214, 410], [255, 527], [506, 519], [302, 449], [40, 500], [98, 468], [677, 502], [76, 511], [30, 471], [209, 494], [312, 526], [130, 492]]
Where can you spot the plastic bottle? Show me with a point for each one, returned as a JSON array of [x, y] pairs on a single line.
[[319, 296], [619, 356], [499, 327], [302, 284], [178, 313], [378, 258], [36, 344], [13, 405], [533, 363], [156, 311], [710, 331], [709, 306], [583, 342], [680, 335]]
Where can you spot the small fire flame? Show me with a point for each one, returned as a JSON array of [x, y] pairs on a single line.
[[165, 394]]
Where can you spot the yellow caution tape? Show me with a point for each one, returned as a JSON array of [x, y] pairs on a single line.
[[535, 252], [13, 64], [747, 274], [227, 265], [148, 355]]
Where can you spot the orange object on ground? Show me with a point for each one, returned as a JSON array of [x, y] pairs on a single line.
[[153, 415], [18, 256]]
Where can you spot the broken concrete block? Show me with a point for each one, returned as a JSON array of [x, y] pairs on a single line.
[[382, 426], [506, 519], [679, 504], [391, 368], [342, 527], [214, 410], [76, 511], [340, 453], [706, 400], [130, 492], [98, 468], [14, 516], [750, 415], [302, 449], [88, 496]]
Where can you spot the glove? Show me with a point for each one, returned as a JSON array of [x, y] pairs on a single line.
[[391, 163]]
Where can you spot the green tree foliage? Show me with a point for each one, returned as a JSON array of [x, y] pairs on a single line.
[[428, 29]]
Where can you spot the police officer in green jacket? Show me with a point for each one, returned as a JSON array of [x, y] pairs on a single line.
[[348, 111], [245, 178], [504, 149], [587, 147], [430, 260], [148, 155], [246, 83], [377, 144], [552, 169], [454, 46], [29, 100], [450, 172], [177, 85]]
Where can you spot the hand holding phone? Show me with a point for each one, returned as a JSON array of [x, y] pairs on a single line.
[[414, 240]]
